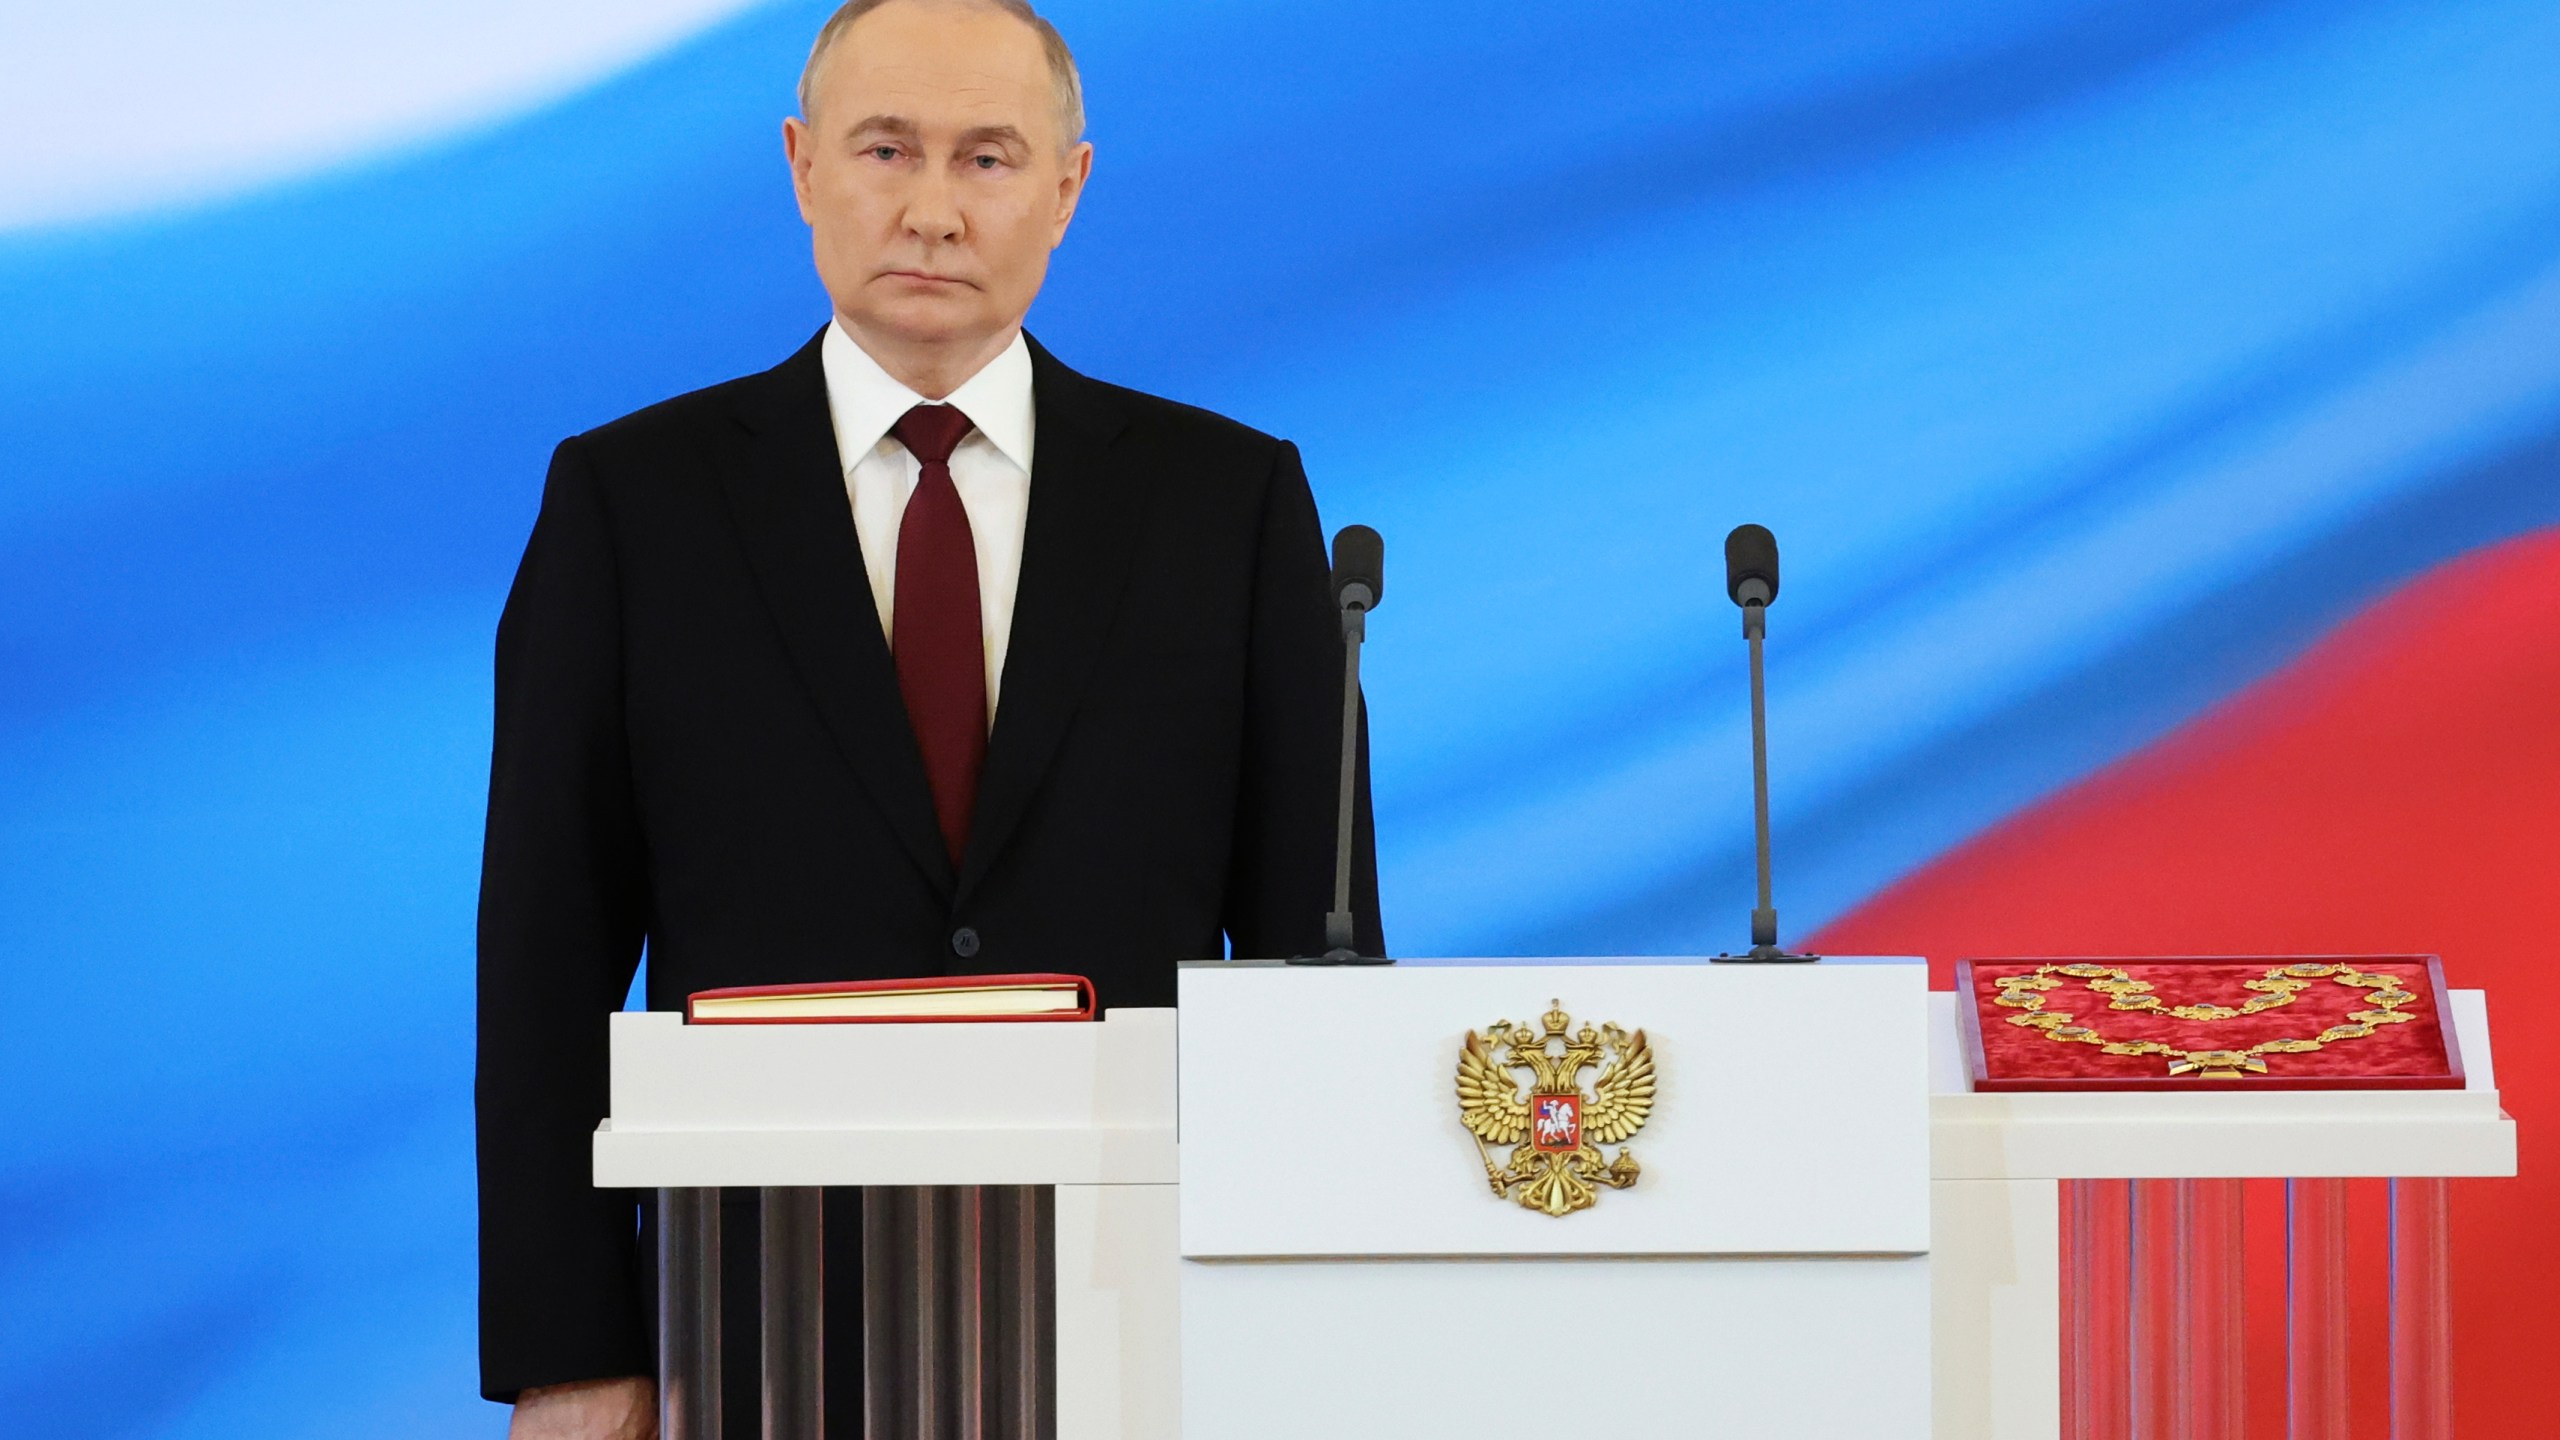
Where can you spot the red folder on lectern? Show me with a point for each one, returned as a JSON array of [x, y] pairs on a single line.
[[939, 997]]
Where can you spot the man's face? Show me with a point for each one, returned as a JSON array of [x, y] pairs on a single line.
[[933, 172]]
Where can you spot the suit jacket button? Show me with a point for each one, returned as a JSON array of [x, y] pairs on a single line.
[[964, 942]]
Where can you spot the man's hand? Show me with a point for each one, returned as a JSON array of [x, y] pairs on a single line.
[[624, 1409]]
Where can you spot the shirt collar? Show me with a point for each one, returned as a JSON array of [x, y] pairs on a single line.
[[865, 400]]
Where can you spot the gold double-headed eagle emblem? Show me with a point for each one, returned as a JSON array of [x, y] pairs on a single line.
[[1556, 1165]]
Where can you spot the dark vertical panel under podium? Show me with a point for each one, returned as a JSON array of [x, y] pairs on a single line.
[[2421, 1310], [2186, 1269], [2097, 1309], [792, 1280], [2152, 1274], [689, 1314], [959, 1309], [2316, 1308]]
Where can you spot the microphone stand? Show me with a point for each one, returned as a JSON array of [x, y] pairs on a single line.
[[1342, 946], [1764, 918]]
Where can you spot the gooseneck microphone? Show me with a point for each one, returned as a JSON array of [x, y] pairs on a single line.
[[1359, 575], [1751, 579], [1359, 580], [1751, 567]]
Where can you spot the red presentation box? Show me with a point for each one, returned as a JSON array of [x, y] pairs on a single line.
[[2208, 1022]]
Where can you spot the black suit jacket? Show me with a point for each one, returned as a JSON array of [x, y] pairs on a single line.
[[701, 748]]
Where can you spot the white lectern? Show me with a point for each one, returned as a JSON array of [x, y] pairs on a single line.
[[1347, 1268]]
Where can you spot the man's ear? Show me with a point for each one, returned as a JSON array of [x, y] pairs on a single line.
[[1078, 169], [798, 142]]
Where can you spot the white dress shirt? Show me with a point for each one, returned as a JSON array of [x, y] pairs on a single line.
[[991, 469]]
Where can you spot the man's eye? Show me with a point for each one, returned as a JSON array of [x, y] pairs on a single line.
[[985, 162], [884, 152]]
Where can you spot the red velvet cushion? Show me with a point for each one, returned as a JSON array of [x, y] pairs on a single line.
[[2402, 1056]]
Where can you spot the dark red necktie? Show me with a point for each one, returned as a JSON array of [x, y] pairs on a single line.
[[935, 633]]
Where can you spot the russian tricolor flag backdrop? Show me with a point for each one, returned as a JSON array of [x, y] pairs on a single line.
[[2159, 403]]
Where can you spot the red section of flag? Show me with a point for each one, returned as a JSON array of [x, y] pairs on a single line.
[[2396, 789]]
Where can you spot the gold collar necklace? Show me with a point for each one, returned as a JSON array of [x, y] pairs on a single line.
[[2277, 987]]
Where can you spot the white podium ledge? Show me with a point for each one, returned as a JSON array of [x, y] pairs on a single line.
[[648, 1159], [997, 1104], [1012, 1103]]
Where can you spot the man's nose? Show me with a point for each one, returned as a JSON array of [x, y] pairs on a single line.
[[933, 210]]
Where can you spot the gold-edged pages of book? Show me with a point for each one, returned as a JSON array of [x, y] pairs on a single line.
[[891, 1004]]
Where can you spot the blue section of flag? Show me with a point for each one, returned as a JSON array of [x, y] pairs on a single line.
[[2087, 359]]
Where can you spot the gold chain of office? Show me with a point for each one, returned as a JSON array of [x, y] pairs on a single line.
[[2277, 987]]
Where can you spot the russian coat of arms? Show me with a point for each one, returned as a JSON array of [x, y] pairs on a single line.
[[1555, 1130]]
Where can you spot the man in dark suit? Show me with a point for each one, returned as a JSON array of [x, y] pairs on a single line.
[[919, 653]]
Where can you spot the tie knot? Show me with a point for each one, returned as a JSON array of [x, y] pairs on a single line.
[[932, 432]]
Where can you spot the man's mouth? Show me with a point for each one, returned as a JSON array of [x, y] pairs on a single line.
[[922, 277]]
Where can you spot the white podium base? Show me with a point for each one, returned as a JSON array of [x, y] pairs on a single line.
[[1465, 1349]]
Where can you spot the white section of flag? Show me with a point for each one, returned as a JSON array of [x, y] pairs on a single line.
[[115, 107]]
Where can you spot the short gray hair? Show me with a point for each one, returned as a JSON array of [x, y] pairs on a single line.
[[1062, 61]]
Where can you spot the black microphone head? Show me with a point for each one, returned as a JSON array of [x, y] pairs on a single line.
[[1359, 558], [1751, 554]]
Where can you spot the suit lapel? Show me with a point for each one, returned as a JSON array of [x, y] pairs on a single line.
[[1082, 516], [785, 491]]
